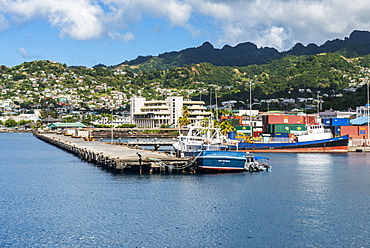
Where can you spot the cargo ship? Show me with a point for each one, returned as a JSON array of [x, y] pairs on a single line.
[[311, 139], [337, 144], [315, 138]]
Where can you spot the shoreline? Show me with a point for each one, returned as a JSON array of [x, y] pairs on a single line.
[[124, 134]]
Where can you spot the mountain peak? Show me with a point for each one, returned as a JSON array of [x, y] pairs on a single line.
[[207, 45], [247, 53]]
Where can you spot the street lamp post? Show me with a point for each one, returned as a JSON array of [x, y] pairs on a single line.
[[367, 107], [318, 103], [112, 128], [250, 102]]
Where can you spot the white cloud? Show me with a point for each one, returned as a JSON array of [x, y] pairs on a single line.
[[277, 23], [273, 37], [282, 23], [79, 19], [22, 51], [124, 37]]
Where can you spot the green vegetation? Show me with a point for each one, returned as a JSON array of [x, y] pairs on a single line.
[[48, 85], [13, 123], [10, 123], [226, 127], [126, 126]]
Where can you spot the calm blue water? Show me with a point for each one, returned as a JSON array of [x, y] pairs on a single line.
[[49, 198]]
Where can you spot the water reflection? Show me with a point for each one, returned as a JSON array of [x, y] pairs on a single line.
[[315, 171]]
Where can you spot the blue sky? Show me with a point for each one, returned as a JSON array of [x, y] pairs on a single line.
[[88, 32]]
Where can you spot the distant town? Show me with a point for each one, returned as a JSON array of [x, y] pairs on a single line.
[[44, 95]]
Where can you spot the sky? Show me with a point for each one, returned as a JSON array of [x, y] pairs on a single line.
[[89, 32]]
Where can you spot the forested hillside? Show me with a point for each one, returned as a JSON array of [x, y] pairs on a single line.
[[244, 54], [43, 82]]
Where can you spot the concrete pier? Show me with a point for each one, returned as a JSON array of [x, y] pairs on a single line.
[[359, 149], [118, 157]]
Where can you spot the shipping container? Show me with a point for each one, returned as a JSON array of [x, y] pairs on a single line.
[[289, 119], [242, 131], [257, 133], [234, 120], [335, 130], [243, 128], [326, 122], [282, 135], [340, 122], [286, 128], [362, 130], [285, 119], [265, 127], [355, 132]]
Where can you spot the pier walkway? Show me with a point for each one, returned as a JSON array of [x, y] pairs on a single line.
[[118, 157]]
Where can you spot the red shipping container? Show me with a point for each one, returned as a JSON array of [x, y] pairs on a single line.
[[310, 119], [354, 132], [289, 119], [256, 133]]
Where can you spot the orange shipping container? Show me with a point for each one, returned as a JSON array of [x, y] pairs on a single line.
[[222, 118], [288, 119], [354, 132]]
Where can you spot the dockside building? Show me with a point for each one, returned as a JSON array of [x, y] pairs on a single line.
[[154, 113]]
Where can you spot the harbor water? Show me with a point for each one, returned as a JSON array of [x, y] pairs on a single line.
[[50, 198]]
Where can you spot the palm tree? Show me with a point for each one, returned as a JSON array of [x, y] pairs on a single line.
[[226, 127], [185, 111], [184, 121], [222, 112]]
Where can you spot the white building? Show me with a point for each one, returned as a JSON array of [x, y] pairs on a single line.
[[21, 117], [117, 120], [164, 112], [362, 111]]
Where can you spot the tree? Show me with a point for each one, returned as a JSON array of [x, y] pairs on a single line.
[[185, 111], [226, 127], [184, 121], [222, 112], [89, 118], [10, 123]]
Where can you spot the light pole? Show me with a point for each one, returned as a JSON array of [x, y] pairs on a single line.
[[367, 106], [318, 104], [112, 128], [250, 102]]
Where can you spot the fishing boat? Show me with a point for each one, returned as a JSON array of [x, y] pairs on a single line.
[[200, 138], [229, 161], [314, 139]]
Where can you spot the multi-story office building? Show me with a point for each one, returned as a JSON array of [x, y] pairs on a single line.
[[164, 112]]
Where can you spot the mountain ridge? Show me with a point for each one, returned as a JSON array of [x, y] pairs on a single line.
[[247, 53]]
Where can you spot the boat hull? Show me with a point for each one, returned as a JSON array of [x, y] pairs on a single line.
[[333, 145], [221, 161]]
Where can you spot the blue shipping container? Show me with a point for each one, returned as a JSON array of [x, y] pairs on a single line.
[[340, 122], [337, 130], [283, 135], [326, 122]]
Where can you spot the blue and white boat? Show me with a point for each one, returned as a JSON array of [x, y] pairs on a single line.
[[209, 160], [200, 138]]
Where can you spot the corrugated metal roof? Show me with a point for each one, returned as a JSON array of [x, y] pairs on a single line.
[[360, 121], [67, 125]]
